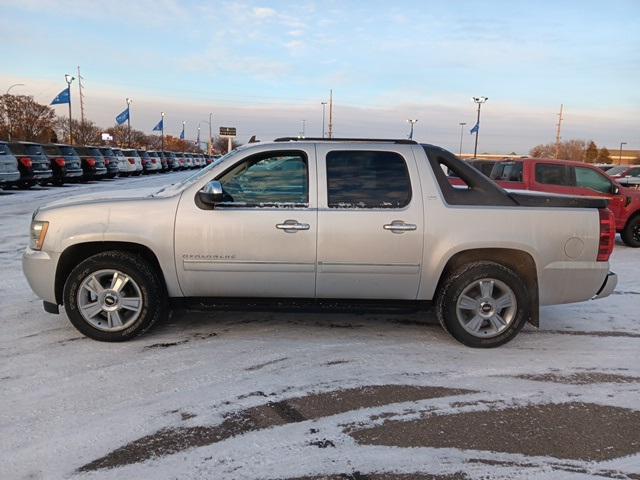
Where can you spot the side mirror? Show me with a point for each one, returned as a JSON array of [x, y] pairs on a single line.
[[615, 189], [211, 193]]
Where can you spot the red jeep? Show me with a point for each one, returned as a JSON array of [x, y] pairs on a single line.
[[574, 178]]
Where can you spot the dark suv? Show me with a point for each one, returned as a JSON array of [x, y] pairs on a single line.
[[65, 163], [111, 161], [34, 169], [9, 173], [92, 164]]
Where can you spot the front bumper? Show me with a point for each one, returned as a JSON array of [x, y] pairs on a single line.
[[40, 269], [610, 283]]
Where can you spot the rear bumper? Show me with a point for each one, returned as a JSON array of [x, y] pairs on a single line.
[[570, 282], [9, 177], [610, 283]]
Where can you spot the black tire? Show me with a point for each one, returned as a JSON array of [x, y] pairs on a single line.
[[455, 284], [631, 233], [154, 299]]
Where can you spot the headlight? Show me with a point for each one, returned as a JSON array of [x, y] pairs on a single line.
[[38, 232]]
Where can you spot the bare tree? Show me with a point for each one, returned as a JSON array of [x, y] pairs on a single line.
[[569, 150], [84, 133], [22, 118]]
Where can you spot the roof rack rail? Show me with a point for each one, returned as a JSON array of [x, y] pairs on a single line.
[[320, 139]]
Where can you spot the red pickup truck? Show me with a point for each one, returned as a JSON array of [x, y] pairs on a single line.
[[574, 178]]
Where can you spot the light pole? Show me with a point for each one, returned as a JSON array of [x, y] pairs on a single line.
[[210, 145], [162, 131], [479, 101], [7, 108], [304, 124], [69, 78], [620, 154], [462, 124], [198, 137], [129, 120], [324, 105], [412, 122]]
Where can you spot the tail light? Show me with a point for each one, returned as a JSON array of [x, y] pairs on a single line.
[[106, 161], [26, 162], [59, 161], [153, 160], [131, 161], [607, 235], [91, 162]]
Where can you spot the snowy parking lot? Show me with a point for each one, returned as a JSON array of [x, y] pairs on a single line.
[[273, 395]]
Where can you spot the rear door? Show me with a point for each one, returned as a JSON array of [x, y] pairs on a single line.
[[370, 222]]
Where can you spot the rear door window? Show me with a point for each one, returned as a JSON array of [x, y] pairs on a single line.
[[367, 179], [553, 174], [588, 178], [507, 172]]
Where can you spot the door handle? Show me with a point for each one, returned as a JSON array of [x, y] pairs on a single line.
[[398, 226], [292, 226]]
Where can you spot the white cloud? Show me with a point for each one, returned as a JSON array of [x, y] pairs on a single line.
[[264, 12]]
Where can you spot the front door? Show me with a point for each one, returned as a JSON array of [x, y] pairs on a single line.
[[261, 241], [370, 222]]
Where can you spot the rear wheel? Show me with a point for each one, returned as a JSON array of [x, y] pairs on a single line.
[[631, 232], [114, 296], [483, 304]]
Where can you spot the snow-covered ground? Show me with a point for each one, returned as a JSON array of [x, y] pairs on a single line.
[[244, 395]]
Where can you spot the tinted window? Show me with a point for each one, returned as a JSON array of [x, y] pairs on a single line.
[[551, 174], [4, 150], [484, 167], [363, 179], [587, 178], [52, 150], [634, 172], [268, 179], [507, 172], [18, 149], [107, 151], [34, 149], [69, 150], [94, 151]]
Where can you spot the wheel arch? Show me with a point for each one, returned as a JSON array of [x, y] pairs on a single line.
[[518, 260], [74, 254]]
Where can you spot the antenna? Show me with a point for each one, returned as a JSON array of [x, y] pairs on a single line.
[[80, 87], [558, 137]]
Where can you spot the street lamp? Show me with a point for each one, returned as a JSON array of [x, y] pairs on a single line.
[[210, 137], [162, 131], [324, 104], [412, 122], [7, 107], [479, 101], [69, 78], [620, 155], [462, 124], [129, 119]]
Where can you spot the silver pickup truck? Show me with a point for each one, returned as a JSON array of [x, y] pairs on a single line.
[[318, 221]]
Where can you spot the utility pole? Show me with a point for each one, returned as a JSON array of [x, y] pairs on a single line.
[[80, 87], [69, 78], [462, 124], [620, 154], [324, 104], [129, 121], [412, 122], [479, 101], [331, 113], [304, 125], [559, 126]]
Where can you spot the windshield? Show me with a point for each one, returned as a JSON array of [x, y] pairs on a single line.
[[190, 180], [18, 149], [616, 170], [34, 150], [107, 152], [52, 150]]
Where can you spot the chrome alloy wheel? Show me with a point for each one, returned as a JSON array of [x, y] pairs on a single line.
[[486, 307], [109, 300]]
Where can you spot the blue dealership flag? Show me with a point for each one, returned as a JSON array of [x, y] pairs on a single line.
[[123, 117], [160, 126], [63, 97], [476, 128], [182, 133]]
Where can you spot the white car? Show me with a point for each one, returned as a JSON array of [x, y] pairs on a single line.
[[133, 159], [316, 220]]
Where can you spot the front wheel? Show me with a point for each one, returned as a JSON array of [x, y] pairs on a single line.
[[631, 233], [114, 296], [483, 304]]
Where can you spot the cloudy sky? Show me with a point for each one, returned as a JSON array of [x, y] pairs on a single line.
[[265, 66]]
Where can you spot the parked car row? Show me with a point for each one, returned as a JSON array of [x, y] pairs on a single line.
[[571, 178], [25, 164]]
